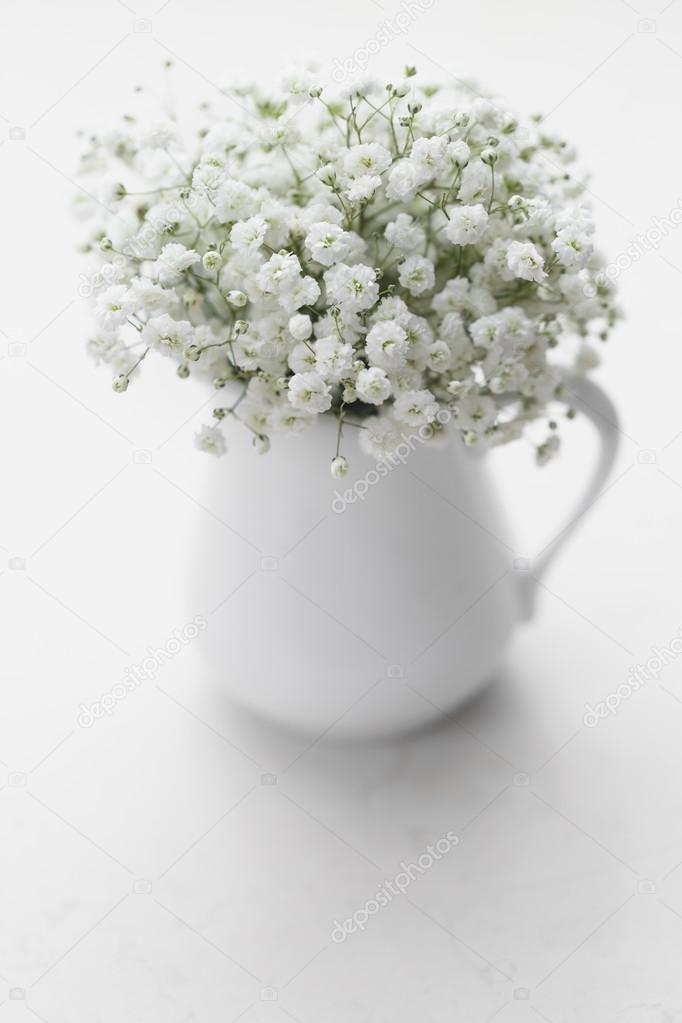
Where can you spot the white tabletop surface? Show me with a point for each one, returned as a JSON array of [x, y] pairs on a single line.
[[177, 862]]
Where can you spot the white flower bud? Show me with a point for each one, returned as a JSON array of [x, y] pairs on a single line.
[[261, 443], [300, 327], [120, 383], [339, 467], [326, 174], [211, 260], [237, 299]]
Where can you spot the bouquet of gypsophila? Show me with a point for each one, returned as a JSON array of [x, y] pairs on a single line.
[[399, 257]]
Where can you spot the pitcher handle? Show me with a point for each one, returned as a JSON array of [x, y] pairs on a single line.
[[598, 407]]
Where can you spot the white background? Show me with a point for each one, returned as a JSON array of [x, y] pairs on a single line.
[[150, 872]]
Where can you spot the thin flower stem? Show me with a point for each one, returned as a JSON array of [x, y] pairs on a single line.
[[339, 432], [132, 369], [492, 186]]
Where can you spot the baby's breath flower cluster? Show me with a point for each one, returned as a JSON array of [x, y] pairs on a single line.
[[381, 257]]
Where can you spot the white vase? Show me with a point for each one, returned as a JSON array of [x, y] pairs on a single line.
[[369, 617]]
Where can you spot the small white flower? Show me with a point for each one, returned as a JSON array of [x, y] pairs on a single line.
[[302, 358], [363, 188], [354, 288], [301, 291], [466, 225], [211, 440], [172, 262], [366, 158], [300, 82], [386, 345], [381, 437], [114, 306], [439, 357], [373, 386], [333, 358], [327, 243], [234, 201], [403, 181], [405, 233], [249, 234], [168, 336], [309, 393], [280, 270], [573, 246], [429, 156], [416, 408], [524, 261], [476, 413], [458, 153], [417, 274]]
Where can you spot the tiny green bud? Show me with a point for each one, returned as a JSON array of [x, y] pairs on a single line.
[[120, 383], [183, 371], [106, 244], [240, 327], [193, 353], [220, 413]]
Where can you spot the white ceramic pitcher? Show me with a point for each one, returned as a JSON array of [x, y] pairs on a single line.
[[370, 616]]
